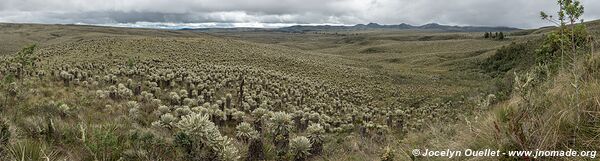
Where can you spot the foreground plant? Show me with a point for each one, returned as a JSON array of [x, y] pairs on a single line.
[[300, 148], [202, 139], [282, 125], [315, 135]]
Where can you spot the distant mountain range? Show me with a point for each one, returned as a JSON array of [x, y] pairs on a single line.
[[370, 26], [403, 26]]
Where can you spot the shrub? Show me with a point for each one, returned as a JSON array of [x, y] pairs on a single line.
[[182, 111], [281, 123], [315, 135], [387, 154], [123, 91], [119, 92], [238, 115], [147, 96], [156, 102], [13, 89], [183, 93], [26, 57], [190, 102], [245, 132], [206, 140], [65, 109], [259, 115], [555, 47], [300, 147], [227, 151], [134, 110], [174, 98], [162, 109], [513, 56], [166, 121], [66, 77], [101, 94]]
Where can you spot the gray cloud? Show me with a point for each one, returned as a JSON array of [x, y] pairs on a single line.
[[517, 13]]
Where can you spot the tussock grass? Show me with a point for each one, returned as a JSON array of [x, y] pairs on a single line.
[[547, 118]]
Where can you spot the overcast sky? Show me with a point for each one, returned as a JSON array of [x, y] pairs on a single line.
[[514, 13]]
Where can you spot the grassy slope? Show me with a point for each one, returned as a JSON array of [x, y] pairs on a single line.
[[419, 64], [16, 36], [404, 64], [103, 45], [551, 122], [86, 43], [68, 44]]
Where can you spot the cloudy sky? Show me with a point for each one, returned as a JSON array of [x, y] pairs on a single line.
[[275, 13]]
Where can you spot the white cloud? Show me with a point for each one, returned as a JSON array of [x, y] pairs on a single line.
[[518, 13]]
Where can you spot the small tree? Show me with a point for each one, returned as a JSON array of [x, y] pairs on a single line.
[[571, 10], [575, 37], [486, 35]]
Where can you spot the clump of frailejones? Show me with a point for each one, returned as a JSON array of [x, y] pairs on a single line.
[[201, 139], [281, 123], [246, 133], [300, 147], [315, 135]]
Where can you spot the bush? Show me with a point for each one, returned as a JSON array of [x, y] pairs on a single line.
[[245, 132], [514, 56], [315, 135], [300, 147], [281, 123], [203, 139]]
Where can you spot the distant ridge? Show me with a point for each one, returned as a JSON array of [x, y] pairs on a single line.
[[402, 26]]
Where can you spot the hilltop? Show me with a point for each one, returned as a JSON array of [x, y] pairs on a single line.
[[403, 26], [431, 27]]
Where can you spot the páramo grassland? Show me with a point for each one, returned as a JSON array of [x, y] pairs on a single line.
[[73, 92]]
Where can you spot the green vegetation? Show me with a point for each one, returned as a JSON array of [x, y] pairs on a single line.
[[553, 103], [495, 35]]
